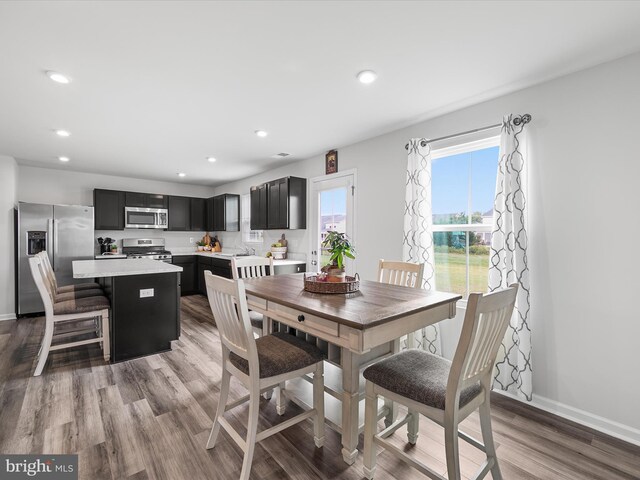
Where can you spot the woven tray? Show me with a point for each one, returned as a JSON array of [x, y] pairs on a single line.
[[352, 284]]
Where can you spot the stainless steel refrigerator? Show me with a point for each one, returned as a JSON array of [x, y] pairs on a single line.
[[65, 232]]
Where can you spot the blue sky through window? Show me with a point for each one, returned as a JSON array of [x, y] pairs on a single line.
[[333, 202], [451, 176]]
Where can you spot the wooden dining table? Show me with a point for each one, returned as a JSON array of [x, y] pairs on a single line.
[[361, 327]]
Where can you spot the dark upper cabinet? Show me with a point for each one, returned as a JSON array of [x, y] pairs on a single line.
[[145, 200], [279, 204], [198, 214], [259, 207], [133, 199], [209, 214], [223, 213], [108, 209], [218, 213], [155, 200], [179, 213]]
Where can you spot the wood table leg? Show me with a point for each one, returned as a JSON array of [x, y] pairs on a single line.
[[350, 405]]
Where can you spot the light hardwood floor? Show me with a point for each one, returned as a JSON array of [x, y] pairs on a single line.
[[150, 418]]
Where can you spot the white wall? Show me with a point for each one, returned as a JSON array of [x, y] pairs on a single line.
[[583, 227], [44, 185], [8, 184]]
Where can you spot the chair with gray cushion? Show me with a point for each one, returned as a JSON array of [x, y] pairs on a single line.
[[443, 391], [68, 311], [260, 365], [252, 267]]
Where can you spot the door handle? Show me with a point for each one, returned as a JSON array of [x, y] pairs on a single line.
[[314, 262], [48, 246], [55, 241]]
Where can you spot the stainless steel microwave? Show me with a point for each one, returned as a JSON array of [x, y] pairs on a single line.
[[136, 217]]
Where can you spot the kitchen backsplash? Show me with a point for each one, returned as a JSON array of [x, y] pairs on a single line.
[[296, 247], [172, 239], [180, 241]]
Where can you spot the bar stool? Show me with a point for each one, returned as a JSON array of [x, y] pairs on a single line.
[[92, 287], [67, 310], [445, 392], [259, 365]]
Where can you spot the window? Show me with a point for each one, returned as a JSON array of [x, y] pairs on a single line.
[[248, 235], [463, 184]]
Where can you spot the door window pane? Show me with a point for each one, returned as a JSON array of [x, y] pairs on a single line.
[[333, 216]]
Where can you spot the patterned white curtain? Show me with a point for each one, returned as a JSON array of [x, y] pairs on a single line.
[[508, 261], [418, 232]]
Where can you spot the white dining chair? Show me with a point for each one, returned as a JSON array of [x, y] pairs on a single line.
[[252, 267], [68, 310], [405, 274], [443, 391], [259, 365]]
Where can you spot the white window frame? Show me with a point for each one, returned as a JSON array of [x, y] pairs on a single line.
[[436, 153], [248, 235]]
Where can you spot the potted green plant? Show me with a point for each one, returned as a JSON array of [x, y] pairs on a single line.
[[201, 244], [339, 248]]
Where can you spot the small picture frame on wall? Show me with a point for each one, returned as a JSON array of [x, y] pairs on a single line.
[[331, 162]]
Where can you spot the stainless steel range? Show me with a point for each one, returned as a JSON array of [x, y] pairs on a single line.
[[151, 248]]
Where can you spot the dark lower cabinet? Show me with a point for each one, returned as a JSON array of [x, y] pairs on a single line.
[[142, 325], [188, 277], [217, 266]]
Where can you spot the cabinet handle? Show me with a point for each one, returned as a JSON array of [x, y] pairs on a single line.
[[301, 318]]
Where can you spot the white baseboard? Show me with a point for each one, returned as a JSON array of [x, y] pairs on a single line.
[[7, 316], [601, 424]]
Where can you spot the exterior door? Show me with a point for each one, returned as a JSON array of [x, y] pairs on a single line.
[[332, 208]]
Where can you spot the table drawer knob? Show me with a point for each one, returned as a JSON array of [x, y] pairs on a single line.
[[301, 318]]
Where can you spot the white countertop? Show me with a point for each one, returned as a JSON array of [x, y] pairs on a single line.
[[228, 256], [120, 267], [110, 256]]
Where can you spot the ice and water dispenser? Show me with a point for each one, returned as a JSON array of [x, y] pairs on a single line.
[[36, 242]]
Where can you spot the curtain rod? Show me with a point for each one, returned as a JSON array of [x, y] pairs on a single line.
[[517, 120]]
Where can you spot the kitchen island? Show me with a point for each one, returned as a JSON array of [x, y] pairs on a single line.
[[145, 303]]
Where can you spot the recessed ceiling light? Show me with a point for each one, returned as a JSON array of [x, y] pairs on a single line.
[[182, 174], [261, 133], [62, 133], [58, 77], [367, 76], [63, 159], [211, 159]]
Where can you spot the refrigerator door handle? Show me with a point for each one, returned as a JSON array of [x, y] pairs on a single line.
[[49, 242], [55, 241]]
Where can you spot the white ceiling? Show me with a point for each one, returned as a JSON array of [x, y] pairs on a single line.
[[159, 86]]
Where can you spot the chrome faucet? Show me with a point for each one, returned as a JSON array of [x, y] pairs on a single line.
[[249, 250]]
